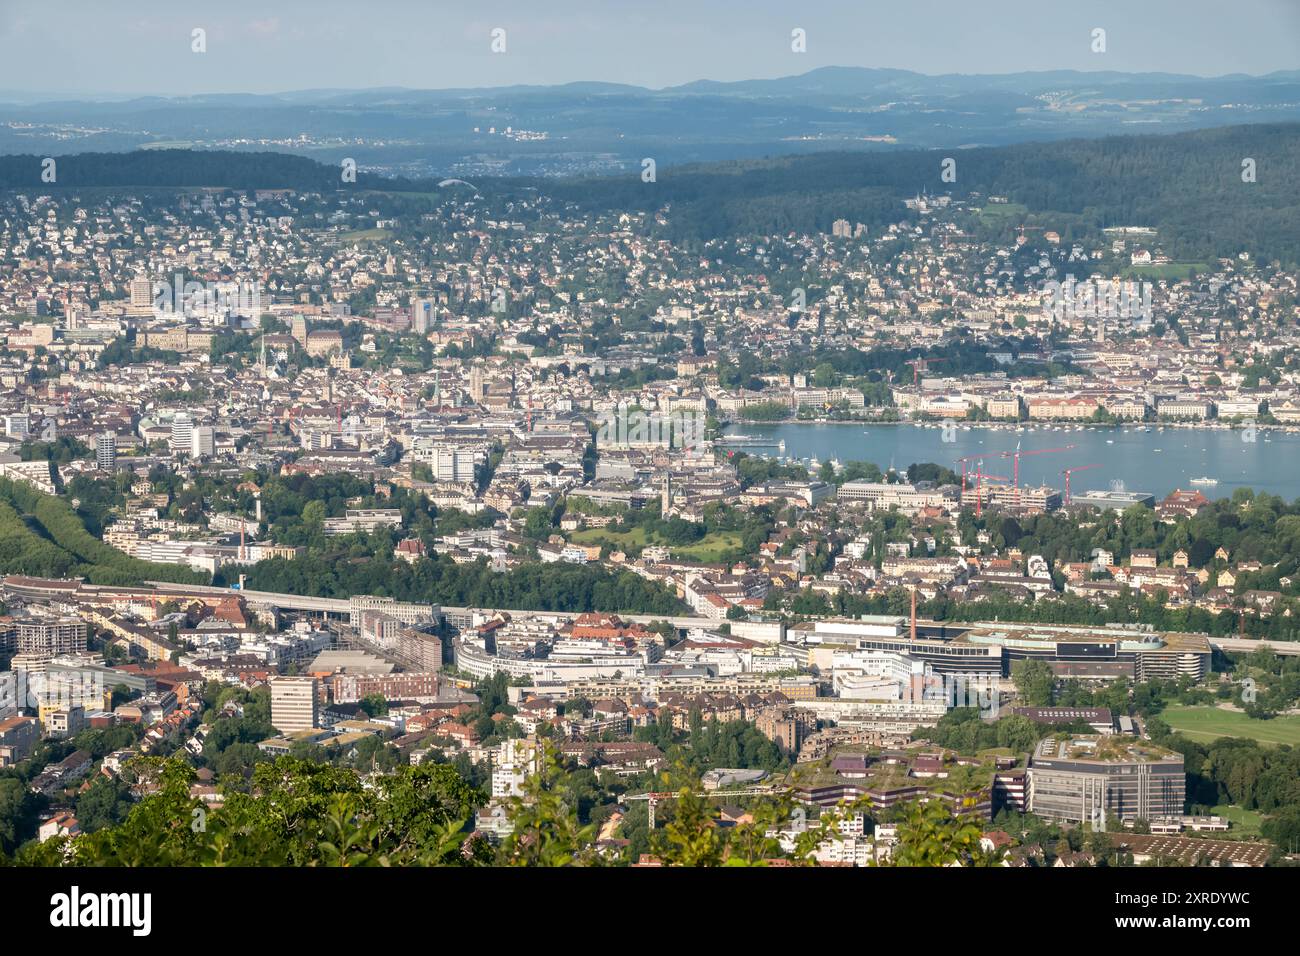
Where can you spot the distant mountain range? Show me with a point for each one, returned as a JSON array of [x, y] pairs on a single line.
[[593, 127]]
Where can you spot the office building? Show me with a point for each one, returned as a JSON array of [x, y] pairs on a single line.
[[294, 704], [182, 433], [18, 426], [141, 294], [106, 451], [203, 441], [1135, 652], [421, 315], [1089, 779]]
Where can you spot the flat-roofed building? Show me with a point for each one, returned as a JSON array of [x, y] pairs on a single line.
[[1099, 719], [48, 637], [1184, 408], [294, 704], [910, 498], [1112, 500], [1088, 779], [1085, 652]]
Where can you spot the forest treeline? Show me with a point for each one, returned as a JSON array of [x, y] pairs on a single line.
[[440, 580], [1188, 185], [43, 536]]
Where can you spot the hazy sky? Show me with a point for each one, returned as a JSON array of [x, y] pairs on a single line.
[[143, 46]]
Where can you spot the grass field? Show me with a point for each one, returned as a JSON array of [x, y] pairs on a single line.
[[708, 549], [1173, 270], [1000, 213], [1244, 822], [635, 538], [364, 235], [1210, 723], [711, 547]]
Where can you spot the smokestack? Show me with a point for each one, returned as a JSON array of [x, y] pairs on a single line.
[[913, 613]]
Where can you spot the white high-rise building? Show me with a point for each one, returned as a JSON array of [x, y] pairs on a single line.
[[294, 705], [106, 451], [421, 315], [202, 441], [449, 463], [516, 761], [182, 433]]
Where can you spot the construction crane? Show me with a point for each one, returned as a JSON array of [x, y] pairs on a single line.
[[1018, 454], [963, 461], [1068, 472], [653, 798], [980, 475], [919, 366]]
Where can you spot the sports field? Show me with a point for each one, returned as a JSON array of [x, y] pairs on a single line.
[[1210, 723]]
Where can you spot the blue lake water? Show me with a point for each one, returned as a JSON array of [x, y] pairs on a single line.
[[1154, 460]]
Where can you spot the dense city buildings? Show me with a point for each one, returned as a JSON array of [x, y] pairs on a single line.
[[813, 509]]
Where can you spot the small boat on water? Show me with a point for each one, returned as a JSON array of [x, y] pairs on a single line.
[[1205, 481]]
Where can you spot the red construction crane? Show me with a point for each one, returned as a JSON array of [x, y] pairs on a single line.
[[1068, 472], [962, 462], [919, 365], [980, 475], [1018, 454]]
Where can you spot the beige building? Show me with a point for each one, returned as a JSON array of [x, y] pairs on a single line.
[[294, 704], [1004, 406], [1070, 409]]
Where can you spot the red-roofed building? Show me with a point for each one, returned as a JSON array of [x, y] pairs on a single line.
[[410, 550], [1181, 504]]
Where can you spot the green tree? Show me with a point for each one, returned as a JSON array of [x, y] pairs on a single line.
[[928, 835], [546, 827], [1034, 681]]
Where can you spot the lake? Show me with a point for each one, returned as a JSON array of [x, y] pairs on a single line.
[[1156, 460]]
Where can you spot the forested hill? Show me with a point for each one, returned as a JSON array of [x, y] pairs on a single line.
[[185, 168], [1189, 185]]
